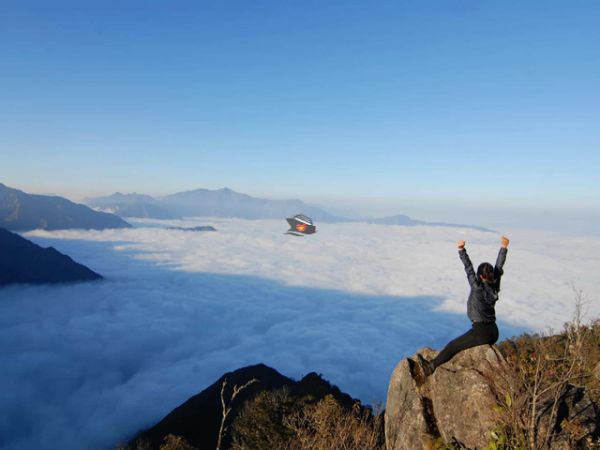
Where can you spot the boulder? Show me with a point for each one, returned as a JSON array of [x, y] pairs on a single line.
[[455, 404]]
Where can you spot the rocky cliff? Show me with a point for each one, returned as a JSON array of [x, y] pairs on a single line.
[[455, 403], [458, 405]]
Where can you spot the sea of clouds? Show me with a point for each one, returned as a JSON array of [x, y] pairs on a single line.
[[87, 365]]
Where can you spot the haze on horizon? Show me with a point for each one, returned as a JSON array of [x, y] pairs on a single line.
[[470, 112]]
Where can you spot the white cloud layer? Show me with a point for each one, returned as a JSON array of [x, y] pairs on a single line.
[[87, 365]]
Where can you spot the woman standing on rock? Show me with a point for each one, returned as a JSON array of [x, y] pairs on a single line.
[[485, 286]]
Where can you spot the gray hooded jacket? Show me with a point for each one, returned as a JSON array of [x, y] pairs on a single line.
[[483, 297]]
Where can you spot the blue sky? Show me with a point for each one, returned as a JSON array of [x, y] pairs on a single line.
[[398, 106]]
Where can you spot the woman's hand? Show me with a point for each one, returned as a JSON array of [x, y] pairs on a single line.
[[504, 242], [461, 245]]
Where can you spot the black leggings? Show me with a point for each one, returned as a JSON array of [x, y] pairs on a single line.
[[480, 334]]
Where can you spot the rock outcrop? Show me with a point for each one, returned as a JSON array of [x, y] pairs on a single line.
[[575, 412], [455, 403]]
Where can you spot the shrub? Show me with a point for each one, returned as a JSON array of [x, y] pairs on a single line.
[[540, 370], [280, 420]]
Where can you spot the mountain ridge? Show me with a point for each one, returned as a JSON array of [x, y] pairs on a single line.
[[197, 419], [226, 202], [22, 261], [131, 205], [20, 211]]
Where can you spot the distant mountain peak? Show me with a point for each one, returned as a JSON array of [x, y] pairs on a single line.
[[132, 205], [225, 202]]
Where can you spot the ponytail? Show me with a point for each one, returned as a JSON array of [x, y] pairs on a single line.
[[486, 270]]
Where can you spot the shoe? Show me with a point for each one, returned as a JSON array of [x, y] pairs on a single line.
[[426, 366]]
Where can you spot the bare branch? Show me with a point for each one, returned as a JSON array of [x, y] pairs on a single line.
[[226, 409]]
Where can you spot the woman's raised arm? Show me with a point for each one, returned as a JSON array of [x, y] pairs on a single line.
[[467, 263]]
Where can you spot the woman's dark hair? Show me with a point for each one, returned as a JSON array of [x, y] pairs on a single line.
[[486, 270]]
